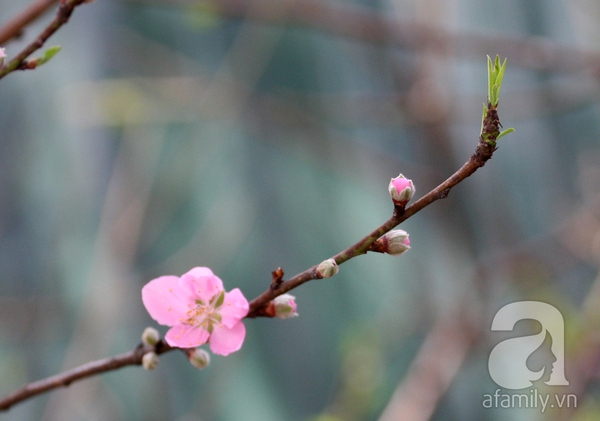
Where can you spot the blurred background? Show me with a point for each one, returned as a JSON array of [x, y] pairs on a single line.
[[244, 135]]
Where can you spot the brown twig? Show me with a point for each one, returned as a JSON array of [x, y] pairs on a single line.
[[478, 159], [259, 306], [83, 371], [14, 27], [482, 154], [62, 16]]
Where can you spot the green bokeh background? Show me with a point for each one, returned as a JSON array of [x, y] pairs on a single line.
[[164, 137]]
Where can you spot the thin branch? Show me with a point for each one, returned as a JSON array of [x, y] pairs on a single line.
[[62, 16], [483, 153], [14, 27], [478, 159], [83, 371]]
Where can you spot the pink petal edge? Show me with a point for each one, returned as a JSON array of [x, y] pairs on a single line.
[[201, 283], [235, 307], [224, 340]]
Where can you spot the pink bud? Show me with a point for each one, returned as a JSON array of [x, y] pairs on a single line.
[[401, 189]]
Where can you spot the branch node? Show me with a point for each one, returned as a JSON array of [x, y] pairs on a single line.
[[444, 193], [277, 276]]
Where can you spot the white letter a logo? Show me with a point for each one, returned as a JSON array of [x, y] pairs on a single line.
[[507, 362]]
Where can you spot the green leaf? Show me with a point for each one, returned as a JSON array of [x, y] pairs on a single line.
[[505, 132], [48, 54], [499, 77], [483, 118], [495, 76], [491, 76]]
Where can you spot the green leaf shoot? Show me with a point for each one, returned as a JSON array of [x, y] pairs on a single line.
[[48, 54], [495, 76], [505, 132]]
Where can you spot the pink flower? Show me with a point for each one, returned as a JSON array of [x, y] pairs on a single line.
[[198, 310]]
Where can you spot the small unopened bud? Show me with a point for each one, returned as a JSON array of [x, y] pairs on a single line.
[[397, 242], [327, 268], [285, 306], [199, 358], [2, 55], [150, 360], [150, 336], [401, 189]]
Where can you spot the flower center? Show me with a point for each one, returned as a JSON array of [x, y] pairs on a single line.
[[205, 315]]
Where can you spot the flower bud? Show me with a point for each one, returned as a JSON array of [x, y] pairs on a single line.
[[397, 242], [327, 268], [150, 360], [199, 358], [401, 189], [285, 306], [2, 55], [150, 336]]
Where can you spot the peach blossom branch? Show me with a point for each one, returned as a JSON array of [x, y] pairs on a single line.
[[93, 368], [278, 286], [483, 153]]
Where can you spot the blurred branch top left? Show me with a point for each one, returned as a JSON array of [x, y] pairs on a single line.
[[16, 26]]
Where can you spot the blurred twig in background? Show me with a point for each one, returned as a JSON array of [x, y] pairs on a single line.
[[15, 27], [361, 23], [423, 108]]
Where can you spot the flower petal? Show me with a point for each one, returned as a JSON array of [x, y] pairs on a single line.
[[234, 308], [224, 340], [201, 284], [164, 300], [185, 336]]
